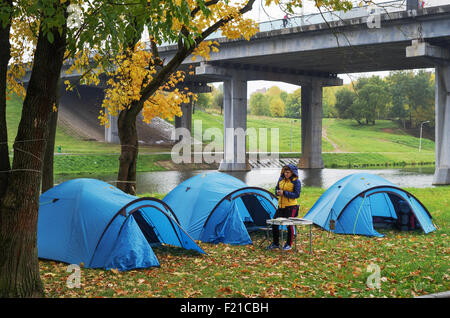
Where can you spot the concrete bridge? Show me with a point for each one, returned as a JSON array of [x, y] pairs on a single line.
[[313, 55]]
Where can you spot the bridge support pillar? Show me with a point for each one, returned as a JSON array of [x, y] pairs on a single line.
[[112, 132], [311, 101], [442, 99], [185, 121], [235, 124]]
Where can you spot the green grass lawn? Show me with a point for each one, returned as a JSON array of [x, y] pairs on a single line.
[[215, 120], [411, 263], [385, 136], [103, 163]]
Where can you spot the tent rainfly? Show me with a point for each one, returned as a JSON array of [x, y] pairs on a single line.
[[361, 202], [218, 208], [91, 222]]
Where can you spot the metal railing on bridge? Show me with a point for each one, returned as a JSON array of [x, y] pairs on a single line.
[[333, 16]]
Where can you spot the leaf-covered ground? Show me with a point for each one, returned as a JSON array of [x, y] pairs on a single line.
[[410, 264]]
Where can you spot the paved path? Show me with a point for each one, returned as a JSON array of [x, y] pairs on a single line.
[[437, 295], [325, 136]]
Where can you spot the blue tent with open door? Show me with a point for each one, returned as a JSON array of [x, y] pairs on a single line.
[[219, 208], [361, 202], [92, 222]]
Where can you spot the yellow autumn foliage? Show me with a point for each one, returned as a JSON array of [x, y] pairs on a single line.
[[126, 81], [23, 43]]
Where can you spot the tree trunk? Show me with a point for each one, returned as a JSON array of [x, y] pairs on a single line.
[[126, 179], [19, 265], [47, 169], [5, 55]]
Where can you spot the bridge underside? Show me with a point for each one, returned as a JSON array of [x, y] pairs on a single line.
[[365, 58]]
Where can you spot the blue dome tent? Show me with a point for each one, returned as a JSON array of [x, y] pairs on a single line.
[[218, 208], [361, 202], [91, 222]]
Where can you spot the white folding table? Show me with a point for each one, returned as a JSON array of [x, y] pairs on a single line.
[[293, 221]]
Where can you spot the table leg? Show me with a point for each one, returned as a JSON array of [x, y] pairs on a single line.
[[296, 235], [310, 235]]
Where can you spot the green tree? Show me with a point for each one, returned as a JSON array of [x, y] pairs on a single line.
[[293, 104], [283, 96], [276, 107], [259, 104], [217, 97], [412, 96], [344, 100], [276, 99], [204, 100], [421, 98], [371, 100], [328, 102], [274, 91], [398, 83]]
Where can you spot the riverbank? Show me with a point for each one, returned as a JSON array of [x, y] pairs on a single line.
[[109, 163]]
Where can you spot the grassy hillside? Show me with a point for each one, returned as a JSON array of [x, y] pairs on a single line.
[[67, 143], [385, 136], [214, 120], [338, 136]]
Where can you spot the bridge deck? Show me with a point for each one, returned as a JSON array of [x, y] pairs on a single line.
[[336, 47]]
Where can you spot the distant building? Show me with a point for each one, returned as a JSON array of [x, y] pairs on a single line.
[[261, 90]]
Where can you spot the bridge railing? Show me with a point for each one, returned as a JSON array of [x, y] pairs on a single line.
[[333, 16]]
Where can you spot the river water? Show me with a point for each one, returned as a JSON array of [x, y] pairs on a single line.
[[165, 181]]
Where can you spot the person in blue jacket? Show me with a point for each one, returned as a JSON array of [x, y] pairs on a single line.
[[287, 190]]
